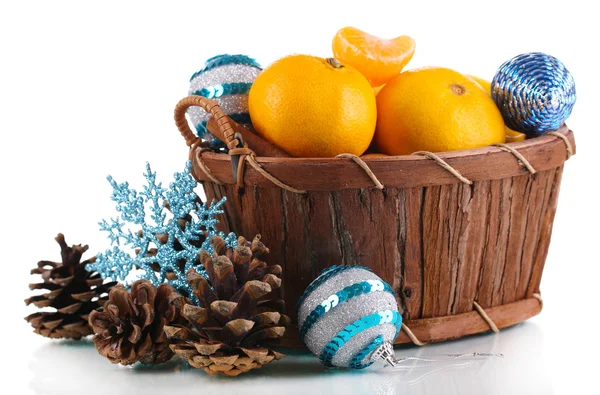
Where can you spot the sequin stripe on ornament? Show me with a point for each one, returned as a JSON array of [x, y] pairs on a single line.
[[233, 88], [357, 360], [222, 60], [358, 326], [341, 296], [323, 277]]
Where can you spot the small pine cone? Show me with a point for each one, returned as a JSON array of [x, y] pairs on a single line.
[[242, 316], [74, 294], [130, 327]]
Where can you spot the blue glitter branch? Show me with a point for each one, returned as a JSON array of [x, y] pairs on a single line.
[[159, 259]]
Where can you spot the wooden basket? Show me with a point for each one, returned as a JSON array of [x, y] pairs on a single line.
[[461, 236]]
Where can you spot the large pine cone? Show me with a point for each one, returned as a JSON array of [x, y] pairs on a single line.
[[74, 293], [243, 312], [130, 327]]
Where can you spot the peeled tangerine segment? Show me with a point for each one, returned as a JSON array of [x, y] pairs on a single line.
[[376, 58]]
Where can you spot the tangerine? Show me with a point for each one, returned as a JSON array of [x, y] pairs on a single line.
[[313, 107], [376, 58], [435, 109]]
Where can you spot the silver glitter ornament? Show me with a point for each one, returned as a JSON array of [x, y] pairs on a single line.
[[346, 314], [226, 79]]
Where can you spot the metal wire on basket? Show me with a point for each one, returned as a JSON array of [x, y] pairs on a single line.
[[534, 92]]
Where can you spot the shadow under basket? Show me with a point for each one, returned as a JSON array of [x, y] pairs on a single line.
[[462, 236]]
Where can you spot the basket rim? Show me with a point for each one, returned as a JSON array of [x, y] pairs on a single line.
[[326, 174], [443, 328]]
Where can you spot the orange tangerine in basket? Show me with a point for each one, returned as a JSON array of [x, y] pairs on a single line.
[[511, 135], [376, 58], [435, 109], [313, 107]]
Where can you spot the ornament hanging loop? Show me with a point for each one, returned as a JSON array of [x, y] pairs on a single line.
[[384, 354]]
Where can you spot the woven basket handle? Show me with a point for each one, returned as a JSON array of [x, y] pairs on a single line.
[[225, 129]]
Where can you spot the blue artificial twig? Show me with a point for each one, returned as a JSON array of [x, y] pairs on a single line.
[[165, 249]]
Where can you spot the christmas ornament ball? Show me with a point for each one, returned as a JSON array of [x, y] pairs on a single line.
[[226, 79], [345, 314], [534, 92]]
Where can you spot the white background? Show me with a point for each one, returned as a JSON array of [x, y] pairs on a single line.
[[87, 89]]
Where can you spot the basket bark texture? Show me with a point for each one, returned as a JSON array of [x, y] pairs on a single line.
[[443, 244]]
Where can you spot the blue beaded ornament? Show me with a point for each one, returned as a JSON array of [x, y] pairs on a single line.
[[346, 315], [534, 92], [226, 79]]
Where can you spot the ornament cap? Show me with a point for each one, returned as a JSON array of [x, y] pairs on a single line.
[[384, 354]]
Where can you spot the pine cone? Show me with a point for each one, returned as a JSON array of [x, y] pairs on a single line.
[[130, 327], [74, 293], [243, 311]]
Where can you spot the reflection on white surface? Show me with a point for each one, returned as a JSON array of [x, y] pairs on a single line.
[[64, 368]]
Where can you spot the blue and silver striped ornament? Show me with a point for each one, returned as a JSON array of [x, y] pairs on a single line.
[[345, 314], [226, 79], [534, 92]]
